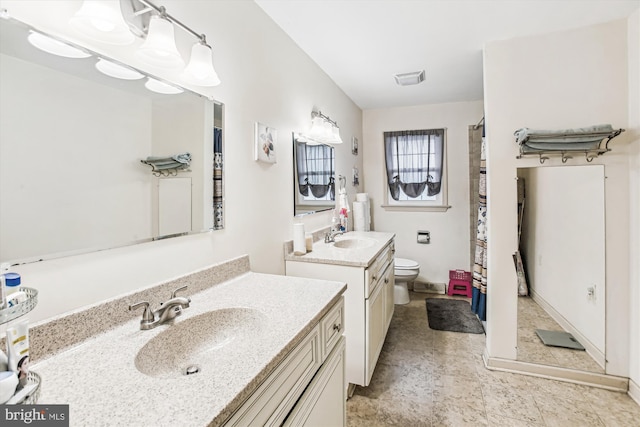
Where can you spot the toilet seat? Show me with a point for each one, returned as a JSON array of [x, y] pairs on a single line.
[[405, 264]]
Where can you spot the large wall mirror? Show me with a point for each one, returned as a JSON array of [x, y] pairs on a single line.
[[313, 176], [71, 145], [562, 244]]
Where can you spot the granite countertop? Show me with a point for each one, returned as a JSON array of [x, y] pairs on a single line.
[[327, 253], [100, 382]]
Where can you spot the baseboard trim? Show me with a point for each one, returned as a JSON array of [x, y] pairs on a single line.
[[634, 391], [609, 382], [593, 351]]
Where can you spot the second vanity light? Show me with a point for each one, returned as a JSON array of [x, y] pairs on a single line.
[[323, 130]]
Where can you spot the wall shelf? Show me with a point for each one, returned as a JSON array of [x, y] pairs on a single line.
[[590, 142]]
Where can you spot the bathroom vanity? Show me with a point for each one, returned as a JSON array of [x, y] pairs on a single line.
[[263, 349], [364, 260]]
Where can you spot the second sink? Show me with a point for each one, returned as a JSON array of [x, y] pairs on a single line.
[[355, 243], [198, 340]]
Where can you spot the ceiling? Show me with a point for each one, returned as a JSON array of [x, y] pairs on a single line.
[[361, 44]]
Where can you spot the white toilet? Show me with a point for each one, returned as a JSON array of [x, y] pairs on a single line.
[[405, 271]]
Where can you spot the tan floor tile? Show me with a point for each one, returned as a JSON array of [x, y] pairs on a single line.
[[510, 403], [500, 421], [446, 414], [544, 386], [561, 412], [458, 391]]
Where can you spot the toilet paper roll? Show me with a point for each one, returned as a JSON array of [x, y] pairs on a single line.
[[299, 243]]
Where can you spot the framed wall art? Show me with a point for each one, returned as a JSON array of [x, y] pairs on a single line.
[[265, 143]]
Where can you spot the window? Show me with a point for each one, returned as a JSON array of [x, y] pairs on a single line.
[[415, 169]]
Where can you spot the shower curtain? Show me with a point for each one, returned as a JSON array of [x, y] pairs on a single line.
[[479, 297]]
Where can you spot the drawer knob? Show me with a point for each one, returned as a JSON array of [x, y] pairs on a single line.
[[375, 278], [337, 326], [386, 280]]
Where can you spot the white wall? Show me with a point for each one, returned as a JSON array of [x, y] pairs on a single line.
[[449, 248], [634, 200], [563, 241], [554, 81], [266, 78]]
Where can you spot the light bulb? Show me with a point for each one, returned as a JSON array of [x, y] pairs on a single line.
[[101, 20], [159, 49], [200, 69]]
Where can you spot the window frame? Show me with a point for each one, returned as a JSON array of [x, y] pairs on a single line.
[[441, 204]]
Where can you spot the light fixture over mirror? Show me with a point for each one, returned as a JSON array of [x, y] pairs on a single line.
[[323, 130], [102, 21], [117, 71]]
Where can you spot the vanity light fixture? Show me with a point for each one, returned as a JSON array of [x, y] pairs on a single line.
[[159, 49], [161, 87], [118, 71], [200, 69], [102, 21], [408, 79], [55, 47], [323, 130]]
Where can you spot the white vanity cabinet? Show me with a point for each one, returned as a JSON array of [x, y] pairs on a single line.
[[308, 387], [368, 303]]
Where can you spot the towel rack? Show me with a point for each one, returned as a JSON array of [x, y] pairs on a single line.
[[169, 166], [592, 142]]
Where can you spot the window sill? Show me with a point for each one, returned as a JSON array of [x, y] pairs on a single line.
[[409, 208]]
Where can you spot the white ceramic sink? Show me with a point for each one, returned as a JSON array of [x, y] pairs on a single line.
[[354, 243], [199, 341]]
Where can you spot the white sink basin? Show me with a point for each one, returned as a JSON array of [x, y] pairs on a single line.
[[198, 341], [355, 243]]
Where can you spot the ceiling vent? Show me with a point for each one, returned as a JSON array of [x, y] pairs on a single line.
[[408, 79]]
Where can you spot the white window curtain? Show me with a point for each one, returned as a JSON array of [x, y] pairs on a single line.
[[414, 161]]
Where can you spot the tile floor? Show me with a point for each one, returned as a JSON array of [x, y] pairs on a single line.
[[530, 349], [435, 378]]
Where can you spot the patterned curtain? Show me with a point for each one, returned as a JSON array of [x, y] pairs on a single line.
[[479, 299], [217, 180]]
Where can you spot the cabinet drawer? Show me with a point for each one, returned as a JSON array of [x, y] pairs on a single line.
[[331, 328], [273, 400]]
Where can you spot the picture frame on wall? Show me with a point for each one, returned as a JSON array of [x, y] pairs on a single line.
[[354, 146], [265, 143]]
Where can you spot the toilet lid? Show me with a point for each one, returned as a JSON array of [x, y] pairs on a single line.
[[405, 264]]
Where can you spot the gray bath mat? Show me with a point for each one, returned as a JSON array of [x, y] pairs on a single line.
[[559, 339], [452, 315]]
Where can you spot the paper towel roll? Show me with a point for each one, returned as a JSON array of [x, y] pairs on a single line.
[[299, 244], [362, 197], [359, 216]]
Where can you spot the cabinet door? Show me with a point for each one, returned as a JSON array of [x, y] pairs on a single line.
[[389, 282], [324, 402], [375, 326]]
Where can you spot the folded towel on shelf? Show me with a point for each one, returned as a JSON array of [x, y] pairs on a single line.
[[179, 161], [587, 138], [591, 133]]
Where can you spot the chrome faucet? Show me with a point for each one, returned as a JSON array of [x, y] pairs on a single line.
[[167, 311], [330, 237]]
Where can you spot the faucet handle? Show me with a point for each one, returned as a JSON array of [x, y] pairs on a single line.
[[173, 295], [147, 315]]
